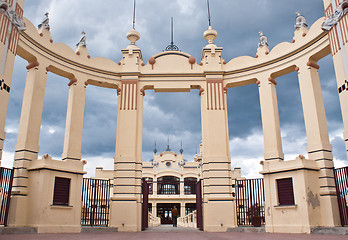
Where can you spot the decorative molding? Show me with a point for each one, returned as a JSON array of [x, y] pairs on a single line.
[[72, 81], [272, 80], [32, 65], [313, 65]]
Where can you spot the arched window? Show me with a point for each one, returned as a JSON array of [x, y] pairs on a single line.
[[190, 185], [168, 185]]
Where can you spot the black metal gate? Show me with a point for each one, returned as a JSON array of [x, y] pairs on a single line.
[[95, 202], [250, 198], [199, 205], [6, 179], [341, 178], [145, 205]]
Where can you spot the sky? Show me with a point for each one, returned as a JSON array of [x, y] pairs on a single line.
[[174, 115]]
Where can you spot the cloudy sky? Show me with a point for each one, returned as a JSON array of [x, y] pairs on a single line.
[[173, 115]]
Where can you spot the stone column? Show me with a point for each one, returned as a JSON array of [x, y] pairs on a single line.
[[218, 204], [126, 200], [182, 209], [182, 189], [273, 150], [338, 37], [27, 147], [154, 186], [154, 209], [318, 143], [8, 48], [74, 120], [270, 119]]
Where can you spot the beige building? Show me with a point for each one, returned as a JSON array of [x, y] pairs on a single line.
[[300, 194]]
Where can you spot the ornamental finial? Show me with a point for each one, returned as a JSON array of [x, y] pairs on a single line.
[[300, 21], [45, 24], [82, 42], [263, 41]]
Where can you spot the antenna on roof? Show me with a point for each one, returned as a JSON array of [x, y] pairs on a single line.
[[134, 16], [208, 13], [168, 149]]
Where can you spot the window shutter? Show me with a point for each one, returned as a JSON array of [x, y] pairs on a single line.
[[285, 191], [61, 191]]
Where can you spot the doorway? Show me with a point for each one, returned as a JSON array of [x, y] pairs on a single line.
[[164, 211]]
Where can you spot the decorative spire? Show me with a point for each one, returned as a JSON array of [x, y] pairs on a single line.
[[210, 35], [155, 149], [262, 40], [82, 42], [168, 149], [133, 35], [300, 21], [172, 46], [134, 15], [45, 24], [209, 22], [181, 150]]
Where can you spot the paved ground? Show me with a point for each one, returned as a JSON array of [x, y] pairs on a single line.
[[170, 233]]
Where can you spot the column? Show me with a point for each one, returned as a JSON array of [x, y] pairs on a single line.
[[270, 119], [338, 37], [318, 143], [74, 120], [27, 147], [182, 189], [9, 35], [218, 204], [273, 150], [182, 209], [154, 208], [126, 200]]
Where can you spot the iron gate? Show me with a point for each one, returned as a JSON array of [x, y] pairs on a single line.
[[341, 179], [95, 202], [199, 205], [6, 179], [250, 199], [145, 205]]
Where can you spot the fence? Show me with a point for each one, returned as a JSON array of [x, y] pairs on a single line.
[[95, 202], [341, 179], [6, 179], [250, 198]]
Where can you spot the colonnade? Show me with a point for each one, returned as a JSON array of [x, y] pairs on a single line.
[[131, 77]]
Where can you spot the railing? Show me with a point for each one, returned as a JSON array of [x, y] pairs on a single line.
[[190, 220], [154, 221]]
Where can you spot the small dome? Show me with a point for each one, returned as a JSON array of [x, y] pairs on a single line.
[[133, 36], [210, 35]]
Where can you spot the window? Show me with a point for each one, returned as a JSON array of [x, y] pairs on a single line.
[[285, 192], [61, 191]]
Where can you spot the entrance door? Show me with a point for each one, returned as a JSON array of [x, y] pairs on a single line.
[[164, 211]]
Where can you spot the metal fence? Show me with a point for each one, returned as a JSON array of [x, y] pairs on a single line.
[[6, 179], [250, 199], [95, 202], [341, 178]]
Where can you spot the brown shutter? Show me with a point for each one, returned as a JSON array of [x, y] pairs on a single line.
[[61, 191], [285, 191]]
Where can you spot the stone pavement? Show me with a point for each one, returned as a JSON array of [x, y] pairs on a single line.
[[167, 232]]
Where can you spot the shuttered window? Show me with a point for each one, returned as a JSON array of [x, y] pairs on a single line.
[[61, 191], [285, 191]]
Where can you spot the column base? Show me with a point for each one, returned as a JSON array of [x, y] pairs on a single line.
[[125, 214], [219, 214]]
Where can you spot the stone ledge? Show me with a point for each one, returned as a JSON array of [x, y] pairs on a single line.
[[98, 229], [330, 230], [17, 230], [247, 229]]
